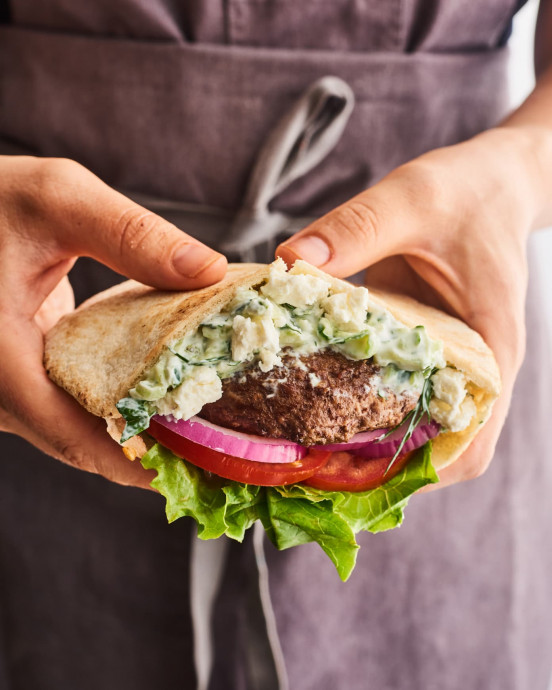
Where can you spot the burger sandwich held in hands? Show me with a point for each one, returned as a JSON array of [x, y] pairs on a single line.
[[289, 397]]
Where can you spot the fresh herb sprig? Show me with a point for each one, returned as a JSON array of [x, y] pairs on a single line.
[[414, 417]]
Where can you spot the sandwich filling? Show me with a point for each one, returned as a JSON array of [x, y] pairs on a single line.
[[296, 358]]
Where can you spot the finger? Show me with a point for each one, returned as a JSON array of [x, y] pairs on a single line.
[[376, 224], [59, 426], [87, 217], [59, 302], [95, 452]]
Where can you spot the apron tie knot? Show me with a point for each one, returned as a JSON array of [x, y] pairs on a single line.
[[300, 141]]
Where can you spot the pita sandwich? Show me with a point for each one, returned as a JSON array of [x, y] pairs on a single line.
[[260, 331], [103, 349]]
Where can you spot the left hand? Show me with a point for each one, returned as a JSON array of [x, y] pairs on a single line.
[[450, 229], [52, 211]]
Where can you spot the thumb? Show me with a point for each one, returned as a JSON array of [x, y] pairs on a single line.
[[372, 226], [92, 219]]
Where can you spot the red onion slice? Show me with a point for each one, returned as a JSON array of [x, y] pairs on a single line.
[[358, 441], [234, 443], [366, 444], [389, 446]]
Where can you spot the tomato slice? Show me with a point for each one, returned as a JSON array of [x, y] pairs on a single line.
[[345, 471], [238, 469]]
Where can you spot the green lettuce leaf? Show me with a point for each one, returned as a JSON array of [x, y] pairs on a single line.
[[291, 515], [218, 506]]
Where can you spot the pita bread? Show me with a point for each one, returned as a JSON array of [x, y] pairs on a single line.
[[100, 351]]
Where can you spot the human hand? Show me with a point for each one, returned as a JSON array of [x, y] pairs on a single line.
[[450, 229], [54, 210]]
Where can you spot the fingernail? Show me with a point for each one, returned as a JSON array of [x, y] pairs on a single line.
[[311, 248], [191, 259]]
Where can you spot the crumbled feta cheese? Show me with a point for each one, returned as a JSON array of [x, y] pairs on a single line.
[[314, 379], [201, 386], [451, 406], [297, 362], [277, 314], [298, 290], [259, 336], [453, 418], [449, 385], [244, 334], [270, 338], [347, 310]]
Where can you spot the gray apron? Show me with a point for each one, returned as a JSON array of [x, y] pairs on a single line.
[[174, 102]]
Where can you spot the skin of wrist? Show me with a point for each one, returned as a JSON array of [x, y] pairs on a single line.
[[529, 150], [491, 177]]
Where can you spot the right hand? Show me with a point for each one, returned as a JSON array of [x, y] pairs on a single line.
[[53, 211], [449, 228]]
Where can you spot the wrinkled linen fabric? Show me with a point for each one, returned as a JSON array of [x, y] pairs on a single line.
[[174, 100]]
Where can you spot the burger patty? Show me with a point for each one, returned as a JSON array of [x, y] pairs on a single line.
[[315, 399]]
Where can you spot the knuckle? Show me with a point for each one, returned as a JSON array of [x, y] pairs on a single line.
[[357, 223], [60, 167], [82, 459], [48, 181], [51, 173], [426, 184], [75, 455], [137, 228]]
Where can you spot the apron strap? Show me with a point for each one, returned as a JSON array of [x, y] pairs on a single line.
[[273, 674], [207, 560], [299, 142], [262, 654]]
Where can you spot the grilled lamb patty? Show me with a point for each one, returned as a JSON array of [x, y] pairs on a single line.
[[315, 399]]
